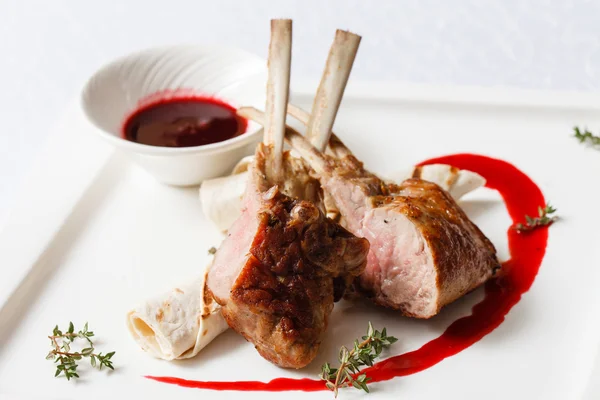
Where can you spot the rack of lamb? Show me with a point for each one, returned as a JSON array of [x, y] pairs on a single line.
[[283, 263], [424, 251]]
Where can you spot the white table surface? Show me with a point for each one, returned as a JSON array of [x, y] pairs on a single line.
[[49, 48]]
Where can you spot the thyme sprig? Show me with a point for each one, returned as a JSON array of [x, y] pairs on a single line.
[[66, 359], [543, 219], [362, 354], [586, 137]]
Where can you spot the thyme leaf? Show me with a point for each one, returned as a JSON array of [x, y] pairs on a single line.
[[363, 353], [66, 359], [586, 137], [544, 218]]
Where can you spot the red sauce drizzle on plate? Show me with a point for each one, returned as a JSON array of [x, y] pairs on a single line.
[[183, 122], [521, 196]]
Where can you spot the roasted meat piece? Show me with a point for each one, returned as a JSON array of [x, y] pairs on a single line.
[[277, 273], [425, 252]]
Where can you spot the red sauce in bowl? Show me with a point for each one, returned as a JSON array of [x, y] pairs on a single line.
[[184, 122]]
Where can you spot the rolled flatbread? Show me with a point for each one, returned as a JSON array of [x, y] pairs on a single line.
[[221, 199], [242, 165], [179, 323]]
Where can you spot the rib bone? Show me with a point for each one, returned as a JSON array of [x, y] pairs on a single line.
[[280, 54], [336, 146], [331, 89], [297, 141]]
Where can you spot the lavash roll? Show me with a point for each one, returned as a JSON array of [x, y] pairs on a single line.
[[179, 323]]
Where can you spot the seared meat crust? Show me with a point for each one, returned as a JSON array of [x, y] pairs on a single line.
[[282, 298]]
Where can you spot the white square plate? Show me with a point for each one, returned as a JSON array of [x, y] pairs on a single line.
[[94, 235]]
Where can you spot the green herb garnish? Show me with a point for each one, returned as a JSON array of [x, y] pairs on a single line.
[[363, 354], [67, 360], [586, 137], [543, 219]]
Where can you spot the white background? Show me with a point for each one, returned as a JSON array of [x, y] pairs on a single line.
[[49, 48]]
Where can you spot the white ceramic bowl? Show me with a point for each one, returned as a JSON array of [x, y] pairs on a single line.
[[123, 86]]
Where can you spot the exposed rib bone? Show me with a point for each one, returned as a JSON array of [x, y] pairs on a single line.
[[297, 141], [280, 53], [331, 89], [311, 154], [298, 113], [253, 114], [337, 147]]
